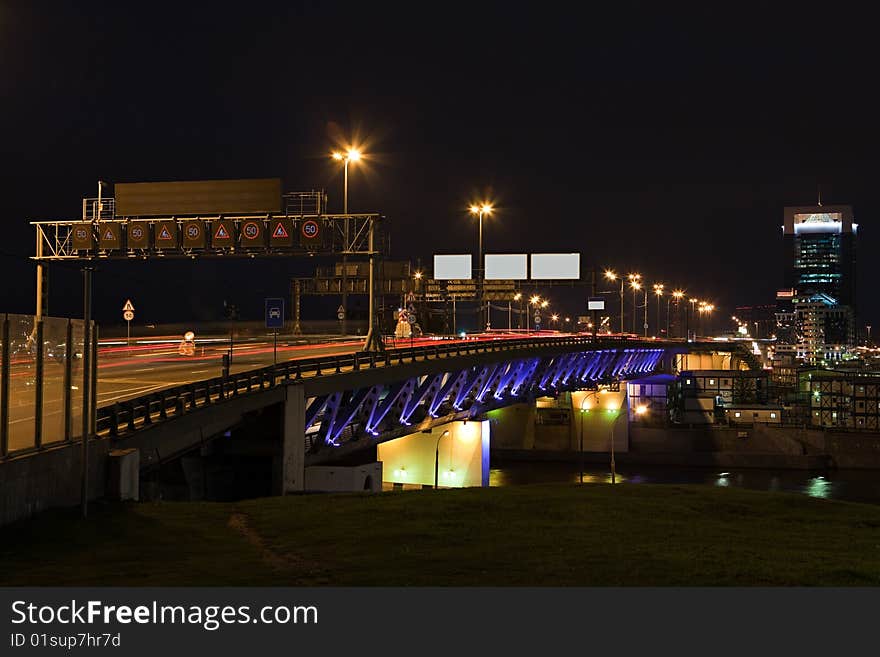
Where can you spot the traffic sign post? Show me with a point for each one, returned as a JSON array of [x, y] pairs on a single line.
[[594, 305], [340, 313], [275, 321], [128, 315]]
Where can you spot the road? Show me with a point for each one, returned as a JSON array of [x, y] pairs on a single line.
[[125, 372]]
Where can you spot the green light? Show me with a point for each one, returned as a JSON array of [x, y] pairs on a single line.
[[610, 410]]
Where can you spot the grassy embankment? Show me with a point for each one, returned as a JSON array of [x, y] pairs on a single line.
[[543, 535]]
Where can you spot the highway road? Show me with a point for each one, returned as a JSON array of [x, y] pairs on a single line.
[[150, 364]]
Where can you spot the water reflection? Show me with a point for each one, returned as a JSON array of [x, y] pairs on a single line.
[[853, 485], [818, 487]]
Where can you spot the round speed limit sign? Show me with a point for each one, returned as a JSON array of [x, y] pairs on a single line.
[[310, 229]]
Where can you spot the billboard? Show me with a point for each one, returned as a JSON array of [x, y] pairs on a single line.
[[198, 197], [506, 266], [452, 267], [556, 266]]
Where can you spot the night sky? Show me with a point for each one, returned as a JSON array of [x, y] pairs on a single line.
[[647, 140]]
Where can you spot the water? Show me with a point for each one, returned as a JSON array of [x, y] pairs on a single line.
[[850, 485]]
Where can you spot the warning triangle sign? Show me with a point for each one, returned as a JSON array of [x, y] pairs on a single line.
[[164, 234], [128, 306], [280, 231], [222, 233], [109, 235]]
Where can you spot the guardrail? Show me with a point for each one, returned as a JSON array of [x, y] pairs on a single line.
[[132, 414]]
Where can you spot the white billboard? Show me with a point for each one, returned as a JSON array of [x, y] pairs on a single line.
[[507, 266], [452, 267], [556, 266]]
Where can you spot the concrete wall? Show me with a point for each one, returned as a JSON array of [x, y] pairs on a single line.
[[513, 427], [325, 479], [462, 458], [30, 484]]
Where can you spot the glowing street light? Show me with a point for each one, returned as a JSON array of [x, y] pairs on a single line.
[[612, 276], [636, 286], [351, 155], [677, 295], [480, 210]]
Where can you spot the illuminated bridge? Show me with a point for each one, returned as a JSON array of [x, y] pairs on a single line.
[[332, 409], [334, 406]]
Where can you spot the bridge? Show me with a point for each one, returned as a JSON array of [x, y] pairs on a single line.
[[331, 404], [330, 408]]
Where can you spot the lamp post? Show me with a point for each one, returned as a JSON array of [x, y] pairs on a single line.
[[536, 302], [480, 210], [658, 290], [437, 455], [351, 155], [516, 297], [636, 286], [677, 295], [619, 415], [688, 314], [612, 276], [581, 441]]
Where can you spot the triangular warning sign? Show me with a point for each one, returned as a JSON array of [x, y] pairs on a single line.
[[109, 235], [128, 305], [280, 231], [164, 234], [222, 233]]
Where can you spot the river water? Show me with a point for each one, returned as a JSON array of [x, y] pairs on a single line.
[[850, 485]]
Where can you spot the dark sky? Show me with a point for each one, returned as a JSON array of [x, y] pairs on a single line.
[[647, 140]]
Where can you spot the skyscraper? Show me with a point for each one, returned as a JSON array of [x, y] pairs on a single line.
[[820, 243]]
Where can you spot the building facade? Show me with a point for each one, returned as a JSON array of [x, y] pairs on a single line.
[[820, 248]]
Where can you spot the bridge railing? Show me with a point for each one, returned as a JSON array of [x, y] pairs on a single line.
[[139, 412]]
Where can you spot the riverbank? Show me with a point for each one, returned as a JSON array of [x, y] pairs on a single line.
[[538, 535], [682, 459]]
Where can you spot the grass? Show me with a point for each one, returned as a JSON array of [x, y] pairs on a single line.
[[538, 535]]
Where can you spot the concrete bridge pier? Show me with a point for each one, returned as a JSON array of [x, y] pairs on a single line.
[[455, 455], [293, 441], [513, 427]]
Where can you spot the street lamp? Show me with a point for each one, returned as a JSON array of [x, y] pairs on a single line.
[[636, 286], [612, 276], [619, 415], [658, 290], [480, 210], [437, 455], [687, 317], [516, 297], [677, 295], [584, 410], [350, 155]]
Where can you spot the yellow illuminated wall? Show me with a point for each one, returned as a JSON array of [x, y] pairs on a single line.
[[707, 361], [598, 415], [463, 456]]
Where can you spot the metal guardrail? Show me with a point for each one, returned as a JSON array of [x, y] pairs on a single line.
[[133, 414]]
